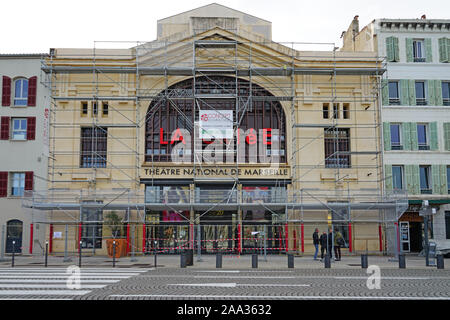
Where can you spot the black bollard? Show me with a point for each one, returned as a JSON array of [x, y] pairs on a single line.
[[13, 252], [327, 261], [219, 260], [440, 261], [290, 261], [155, 257], [364, 261], [114, 254], [46, 253], [79, 255], [401, 261], [183, 260], [254, 261]]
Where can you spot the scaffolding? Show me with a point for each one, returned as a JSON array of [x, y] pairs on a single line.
[[115, 92]]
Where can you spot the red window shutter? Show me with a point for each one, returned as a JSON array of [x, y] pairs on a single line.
[[32, 86], [3, 184], [6, 91], [4, 128], [31, 128], [29, 180]]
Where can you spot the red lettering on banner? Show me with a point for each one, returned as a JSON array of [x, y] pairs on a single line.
[[251, 137], [267, 133], [177, 137], [161, 136]]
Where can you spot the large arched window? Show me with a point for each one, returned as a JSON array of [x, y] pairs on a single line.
[[166, 115]]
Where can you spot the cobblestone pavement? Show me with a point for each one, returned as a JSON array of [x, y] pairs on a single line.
[[272, 280]]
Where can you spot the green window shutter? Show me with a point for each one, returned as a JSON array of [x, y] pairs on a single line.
[[431, 92], [412, 179], [412, 92], [385, 92], [447, 136], [428, 50], [434, 144], [406, 136], [409, 50], [390, 49], [435, 176], [404, 92], [388, 177], [413, 136], [416, 178], [438, 92], [387, 136], [396, 50], [443, 50], [443, 175]]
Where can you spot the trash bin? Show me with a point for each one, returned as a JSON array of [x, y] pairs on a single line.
[[189, 253]]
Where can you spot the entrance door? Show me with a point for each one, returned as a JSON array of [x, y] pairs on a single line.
[[404, 236], [217, 238], [14, 234], [259, 236]]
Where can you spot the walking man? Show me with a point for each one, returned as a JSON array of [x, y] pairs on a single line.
[[316, 242], [330, 243]]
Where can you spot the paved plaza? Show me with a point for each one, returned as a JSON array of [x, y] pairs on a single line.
[[139, 279]]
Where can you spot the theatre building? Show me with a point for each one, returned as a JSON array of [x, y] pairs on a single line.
[[214, 138]]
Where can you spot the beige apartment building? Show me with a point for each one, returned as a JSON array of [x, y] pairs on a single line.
[[215, 138]]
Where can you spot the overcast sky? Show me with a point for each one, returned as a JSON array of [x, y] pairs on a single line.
[[34, 26]]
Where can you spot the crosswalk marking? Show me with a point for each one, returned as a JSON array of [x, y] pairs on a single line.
[[35, 283]]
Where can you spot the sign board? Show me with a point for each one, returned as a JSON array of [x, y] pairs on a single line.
[[216, 124], [57, 235]]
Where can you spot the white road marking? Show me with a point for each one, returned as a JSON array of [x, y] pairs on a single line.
[[221, 297], [54, 281], [44, 292], [234, 285], [49, 286]]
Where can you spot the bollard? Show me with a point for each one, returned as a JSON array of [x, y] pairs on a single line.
[[290, 261], [79, 255], [327, 261], [13, 252], [183, 260], [189, 257], [401, 261], [156, 252], [364, 261], [440, 261], [254, 261], [46, 253], [218, 260], [114, 254]]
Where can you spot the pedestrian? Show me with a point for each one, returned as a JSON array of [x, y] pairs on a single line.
[[338, 243], [330, 242], [316, 242], [323, 244]]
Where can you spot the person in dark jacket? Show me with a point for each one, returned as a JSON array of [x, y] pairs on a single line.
[[323, 244], [316, 242]]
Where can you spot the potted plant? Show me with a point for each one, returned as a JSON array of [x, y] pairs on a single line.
[[113, 221]]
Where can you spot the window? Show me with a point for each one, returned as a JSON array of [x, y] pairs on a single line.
[[425, 176], [19, 129], [340, 218], [105, 109], [17, 184], [446, 93], [336, 111], [448, 179], [418, 50], [397, 177], [91, 232], [326, 110], [84, 108], [396, 143], [94, 108], [447, 224], [420, 93], [21, 92], [346, 111], [393, 93], [93, 147], [422, 136], [337, 148]]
